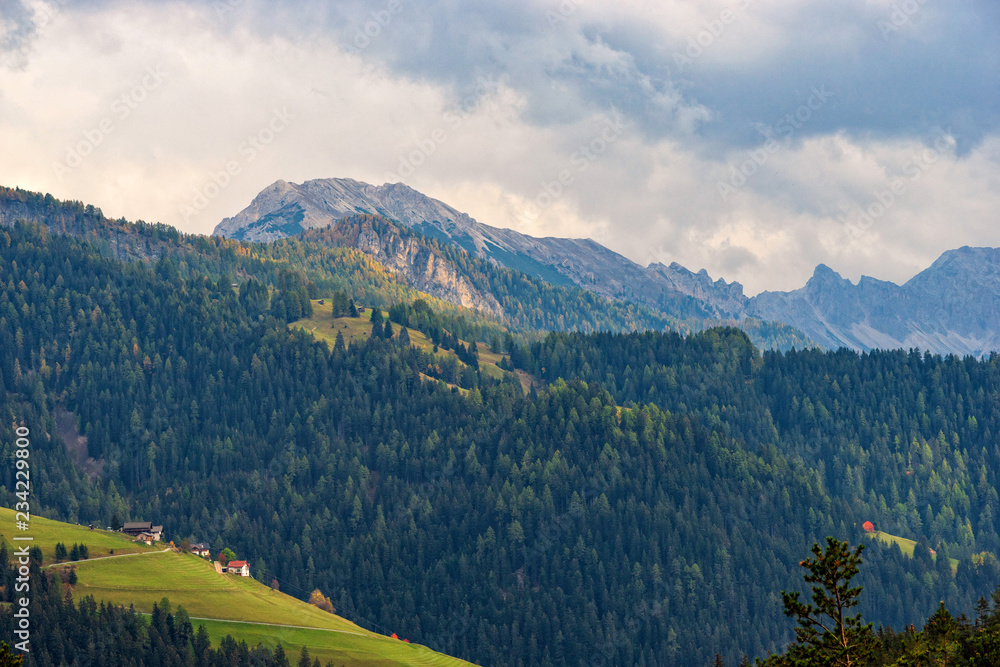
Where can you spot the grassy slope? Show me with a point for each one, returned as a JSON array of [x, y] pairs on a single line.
[[906, 546], [344, 650], [47, 533], [324, 327], [146, 577]]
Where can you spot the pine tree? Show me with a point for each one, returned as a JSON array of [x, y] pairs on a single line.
[[7, 659], [825, 634], [279, 656]]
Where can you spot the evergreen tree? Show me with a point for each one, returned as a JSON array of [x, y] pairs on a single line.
[[826, 634], [8, 659], [279, 656]]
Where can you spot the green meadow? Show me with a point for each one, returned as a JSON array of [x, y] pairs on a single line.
[[124, 573]]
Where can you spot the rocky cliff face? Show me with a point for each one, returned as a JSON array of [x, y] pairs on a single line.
[[284, 209], [952, 307], [406, 255], [114, 239]]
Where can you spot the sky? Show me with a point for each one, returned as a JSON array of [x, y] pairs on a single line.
[[752, 138]]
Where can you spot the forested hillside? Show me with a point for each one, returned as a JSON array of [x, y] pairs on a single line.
[[644, 508], [333, 259]]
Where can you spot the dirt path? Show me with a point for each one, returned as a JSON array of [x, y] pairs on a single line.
[[280, 625], [141, 553]]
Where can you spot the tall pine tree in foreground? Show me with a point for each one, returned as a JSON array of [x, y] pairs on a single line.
[[826, 633]]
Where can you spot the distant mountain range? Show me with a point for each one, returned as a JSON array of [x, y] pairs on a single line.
[[952, 307], [284, 209]]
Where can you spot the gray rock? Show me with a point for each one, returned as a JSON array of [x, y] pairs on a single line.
[[952, 307]]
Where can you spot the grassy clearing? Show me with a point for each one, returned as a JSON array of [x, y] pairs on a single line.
[[324, 327], [245, 609], [906, 546], [47, 533], [342, 650], [238, 606], [193, 582]]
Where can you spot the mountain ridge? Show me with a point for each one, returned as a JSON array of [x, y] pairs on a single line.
[[952, 307], [285, 209]]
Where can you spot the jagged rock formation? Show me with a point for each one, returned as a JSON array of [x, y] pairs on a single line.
[[284, 209], [406, 254], [952, 307]]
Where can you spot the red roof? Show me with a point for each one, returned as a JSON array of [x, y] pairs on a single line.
[[237, 563]]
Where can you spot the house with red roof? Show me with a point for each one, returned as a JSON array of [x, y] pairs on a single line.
[[239, 567]]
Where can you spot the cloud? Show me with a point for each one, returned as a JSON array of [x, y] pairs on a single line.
[[751, 155], [725, 67], [17, 26]]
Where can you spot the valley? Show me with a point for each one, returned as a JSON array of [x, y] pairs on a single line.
[[478, 513]]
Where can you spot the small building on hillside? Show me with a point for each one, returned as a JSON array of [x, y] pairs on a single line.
[[201, 549], [239, 567], [134, 528], [145, 538]]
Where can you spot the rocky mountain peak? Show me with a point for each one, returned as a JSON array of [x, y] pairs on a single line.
[[953, 306]]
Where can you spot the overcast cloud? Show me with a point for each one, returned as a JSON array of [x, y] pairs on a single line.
[[755, 139]]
